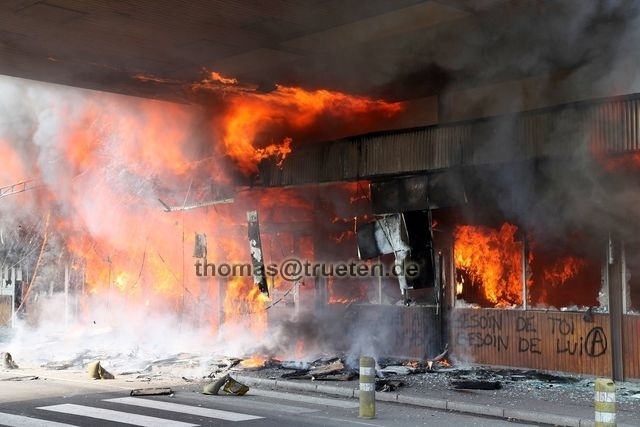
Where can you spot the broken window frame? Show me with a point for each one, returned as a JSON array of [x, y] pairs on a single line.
[[627, 302], [603, 293], [461, 303]]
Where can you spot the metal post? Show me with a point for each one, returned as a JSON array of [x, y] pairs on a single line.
[[66, 294], [605, 402], [13, 297], [379, 285], [296, 298], [615, 285], [367, 387], [524, 272]]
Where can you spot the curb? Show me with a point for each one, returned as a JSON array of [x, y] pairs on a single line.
[[441, 404]]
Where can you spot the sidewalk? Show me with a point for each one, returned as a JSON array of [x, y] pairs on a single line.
[[554, 408]]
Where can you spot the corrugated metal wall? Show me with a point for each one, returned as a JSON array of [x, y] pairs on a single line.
[[554, 341], [631, 345], [388, 330], [609, 126]]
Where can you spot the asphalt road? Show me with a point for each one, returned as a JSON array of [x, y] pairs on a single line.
[[91, 407]]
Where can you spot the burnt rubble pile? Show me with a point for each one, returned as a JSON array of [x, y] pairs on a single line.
[[427, 376], [389, 372], [328, 369]]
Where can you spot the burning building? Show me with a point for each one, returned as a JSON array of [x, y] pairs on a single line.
[[532, 248], [500, 160]]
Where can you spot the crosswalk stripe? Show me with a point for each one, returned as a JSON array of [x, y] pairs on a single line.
[[184, 409], [117, 416], [22, 421], [346, 404], [259, 405]]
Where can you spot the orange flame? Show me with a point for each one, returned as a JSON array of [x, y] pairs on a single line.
[[217, 77], [254, 120], [12, 170], [493, 259], [254, 361], [114, 159]]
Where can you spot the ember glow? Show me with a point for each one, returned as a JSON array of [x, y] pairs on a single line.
[[565, 273], [253, 362], [108, 164], [562, 270]]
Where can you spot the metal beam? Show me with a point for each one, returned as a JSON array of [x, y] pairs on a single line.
[[19, 187]]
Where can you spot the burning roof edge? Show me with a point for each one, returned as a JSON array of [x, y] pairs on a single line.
[[607, 125]]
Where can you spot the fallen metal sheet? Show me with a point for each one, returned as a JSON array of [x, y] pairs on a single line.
[[155, 391], [398, 370]]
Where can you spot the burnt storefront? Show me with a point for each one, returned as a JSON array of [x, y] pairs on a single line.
[[525, 228]]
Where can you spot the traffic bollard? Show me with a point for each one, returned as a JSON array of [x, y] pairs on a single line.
[[367, 387], [605, 402]]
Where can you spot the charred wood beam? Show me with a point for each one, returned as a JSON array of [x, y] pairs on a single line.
[[441, 355]]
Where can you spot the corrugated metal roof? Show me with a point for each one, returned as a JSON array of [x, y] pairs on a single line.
[[600, 126]]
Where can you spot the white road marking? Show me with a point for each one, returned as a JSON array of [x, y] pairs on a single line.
[[116, 416], [347, 404], [22, 421], [184, 409], [258, 405]]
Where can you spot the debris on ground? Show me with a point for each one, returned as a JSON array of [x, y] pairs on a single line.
[[397, 370], [234, 387], [23, 378], [227, 384], [154, 391], [219, 366], [57, 366], [215, 386], [7, 361], [388, 385], [332, 369], [476, 384], [97, 372], [296, 365]]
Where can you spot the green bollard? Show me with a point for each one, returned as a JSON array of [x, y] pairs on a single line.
[[605, 402], [367, 388]]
